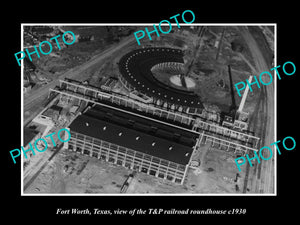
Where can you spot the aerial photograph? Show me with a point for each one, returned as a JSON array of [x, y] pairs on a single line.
[[126, 111]]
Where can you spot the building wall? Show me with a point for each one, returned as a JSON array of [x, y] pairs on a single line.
[[158, 102], [127, 157], [163, 109]]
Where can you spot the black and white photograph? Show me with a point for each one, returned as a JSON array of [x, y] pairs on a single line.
[[159, 114], [129, 113]]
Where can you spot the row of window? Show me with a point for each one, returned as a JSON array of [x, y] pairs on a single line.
[[183, 108], [142, 167], [222, 145], [139, 161], [156, 112], [147, 162], [98, 145], [228, 133]]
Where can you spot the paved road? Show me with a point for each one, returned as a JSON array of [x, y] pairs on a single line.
[[36, 95], [72, 73]]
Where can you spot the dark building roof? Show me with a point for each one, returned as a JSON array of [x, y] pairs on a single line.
[[136, 133], [54, 109], [29, 134], [136, 66]]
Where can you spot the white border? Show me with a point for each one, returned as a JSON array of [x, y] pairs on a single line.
[[151, 24]]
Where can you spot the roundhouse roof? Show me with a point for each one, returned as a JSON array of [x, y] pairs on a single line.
[[136, 66]]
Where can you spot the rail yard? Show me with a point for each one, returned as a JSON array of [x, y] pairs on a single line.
[[156, 118]]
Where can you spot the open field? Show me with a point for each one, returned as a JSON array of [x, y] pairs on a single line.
[[71, 172]]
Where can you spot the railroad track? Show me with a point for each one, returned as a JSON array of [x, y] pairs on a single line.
[[263, 179]]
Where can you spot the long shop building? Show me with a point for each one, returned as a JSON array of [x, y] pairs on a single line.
[[134, 142]]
